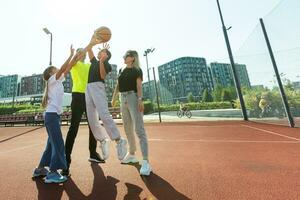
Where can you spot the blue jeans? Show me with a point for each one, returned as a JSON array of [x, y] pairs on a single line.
[[54, 154]]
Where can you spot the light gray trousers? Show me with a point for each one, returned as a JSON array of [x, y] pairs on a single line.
[[96, 106], [133, 120]]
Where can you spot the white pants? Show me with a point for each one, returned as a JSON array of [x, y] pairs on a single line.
[[133, 122], [96, 106]]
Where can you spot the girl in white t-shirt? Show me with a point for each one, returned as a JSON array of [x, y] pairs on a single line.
[[54, 154]]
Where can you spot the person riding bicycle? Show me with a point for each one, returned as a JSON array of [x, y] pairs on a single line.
[[183, 107], [263, 105]]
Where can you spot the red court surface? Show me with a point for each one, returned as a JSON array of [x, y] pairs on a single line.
[[197, 160]]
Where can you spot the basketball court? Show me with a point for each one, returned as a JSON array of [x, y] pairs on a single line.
[[190, 160]]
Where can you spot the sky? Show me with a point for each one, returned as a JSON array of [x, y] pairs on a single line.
[[175, 28]]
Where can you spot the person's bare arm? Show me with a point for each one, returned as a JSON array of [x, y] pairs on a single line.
[[101, 62], [102, 70], [89, 47], [65, 65], [116, 92], [73, 62], [140, 94]]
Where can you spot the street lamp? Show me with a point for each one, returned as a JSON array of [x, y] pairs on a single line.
[[156, 91], [49, 33], [147, 51]]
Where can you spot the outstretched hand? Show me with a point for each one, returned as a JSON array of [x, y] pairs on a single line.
[[106, 46]]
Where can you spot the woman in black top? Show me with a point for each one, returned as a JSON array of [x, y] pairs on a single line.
[[132, 107]]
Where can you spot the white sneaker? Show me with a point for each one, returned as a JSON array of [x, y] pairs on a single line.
[[104, 145], [121, 148], [129, 159], [146, 168]]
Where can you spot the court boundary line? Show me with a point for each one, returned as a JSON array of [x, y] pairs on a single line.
[[271, 132], [29, 131], [225, 141]]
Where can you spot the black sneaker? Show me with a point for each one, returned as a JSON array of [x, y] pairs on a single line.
[[65, 172], [95, 157]]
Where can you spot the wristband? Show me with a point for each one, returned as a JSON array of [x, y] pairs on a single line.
[[140, 98]]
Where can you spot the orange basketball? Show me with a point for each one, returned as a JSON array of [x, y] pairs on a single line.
[[103, 33]]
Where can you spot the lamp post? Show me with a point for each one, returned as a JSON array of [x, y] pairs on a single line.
[[49, 33], [147, 51], [156, 91]]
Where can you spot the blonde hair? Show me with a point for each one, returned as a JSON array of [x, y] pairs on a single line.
[[136, 62], [46, 75]]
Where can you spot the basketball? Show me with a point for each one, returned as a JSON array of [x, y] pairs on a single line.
[[103, 33]]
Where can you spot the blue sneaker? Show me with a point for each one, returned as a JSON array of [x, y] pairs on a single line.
[[55, 177], [40, 172]]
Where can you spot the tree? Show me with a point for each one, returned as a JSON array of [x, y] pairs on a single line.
[[226, 95], [190, 97], [217, 93], [206, 96]]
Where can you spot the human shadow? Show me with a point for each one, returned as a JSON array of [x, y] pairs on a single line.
[[160, 188], [48, 191], [103, 187], [133, 192]]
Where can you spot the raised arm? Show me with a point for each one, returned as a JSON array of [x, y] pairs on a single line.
[[65, 65], [102, 69], [73, 62], [89, 47], [103, 58]]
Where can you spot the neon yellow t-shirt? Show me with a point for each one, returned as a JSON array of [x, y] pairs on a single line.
[[80, 74]]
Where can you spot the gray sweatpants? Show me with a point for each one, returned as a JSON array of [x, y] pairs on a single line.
[[133, 120], [96, 106]]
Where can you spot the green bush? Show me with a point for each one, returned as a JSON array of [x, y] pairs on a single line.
[[8, 109], [148, 107], [39, 110], [196, 106]]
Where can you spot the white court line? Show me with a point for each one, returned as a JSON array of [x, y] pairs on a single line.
[[223, 141], [202, 126], [273, 133], [21, 148]]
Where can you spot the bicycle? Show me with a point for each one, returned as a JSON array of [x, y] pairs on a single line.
[[186, 112]]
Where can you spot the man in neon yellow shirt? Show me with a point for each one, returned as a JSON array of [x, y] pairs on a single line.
[[79, 74]]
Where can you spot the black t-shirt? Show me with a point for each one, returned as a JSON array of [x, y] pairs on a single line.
[[127, 79], [94, 72]]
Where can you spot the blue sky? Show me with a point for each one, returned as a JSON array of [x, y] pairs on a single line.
[[174, 28]]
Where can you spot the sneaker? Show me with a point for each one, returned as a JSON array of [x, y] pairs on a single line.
[[65, 172], [104, 145], [129, 159], [145, 169], [95, 157], [55, 177], [40, 172], [121, 148]]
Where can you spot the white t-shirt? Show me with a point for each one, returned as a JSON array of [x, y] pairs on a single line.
[[55, 94]]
